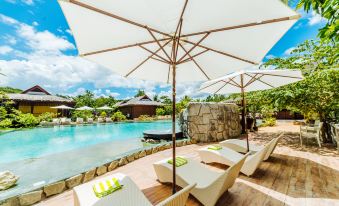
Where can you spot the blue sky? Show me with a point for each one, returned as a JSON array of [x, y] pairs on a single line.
[[35, 40]]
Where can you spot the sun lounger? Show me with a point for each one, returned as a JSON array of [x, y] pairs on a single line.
[[89, 121], [230, 157], [108, 119], [128, 195], [100, 120], [56, 121], [210, 184], [65, 121], [79, 120], [241, 146]]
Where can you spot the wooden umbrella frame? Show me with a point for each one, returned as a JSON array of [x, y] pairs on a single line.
[[172, 59]]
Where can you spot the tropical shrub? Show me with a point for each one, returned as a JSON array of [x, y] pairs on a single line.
[[269, 122], [103, 114], [82, 114], [3, 113], [118, 116], [145, 118], [22, 120], [160, 112], [47, 116], [6, 123]]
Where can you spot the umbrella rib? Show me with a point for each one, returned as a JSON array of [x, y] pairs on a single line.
[[245, 25], [194, 46], [155, 54], [116, 16], [160, 60], [210, 85], [235, 82], [161, 47], [178, 40], [223, 53], [258, 79], [277, 75], [195, 55], [195, 62], [144, 61], [224, 85], [180, 19], [122, 47], [251, 80]]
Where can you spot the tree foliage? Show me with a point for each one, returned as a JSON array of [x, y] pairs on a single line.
[[10, 90], [140, 93], [329, 9]]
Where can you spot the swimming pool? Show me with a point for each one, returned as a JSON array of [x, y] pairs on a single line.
[[37, 142]]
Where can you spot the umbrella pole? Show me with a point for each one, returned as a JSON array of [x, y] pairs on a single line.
[[173, 127], [243, 113]]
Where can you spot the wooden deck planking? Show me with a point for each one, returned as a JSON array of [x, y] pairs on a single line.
[[288, 178]]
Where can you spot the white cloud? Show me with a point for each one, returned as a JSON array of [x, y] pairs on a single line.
[[10, 39], [288, 51], [69, 31], [315, 19], [270, 56], [5, 49], [8, 20], [35, 23], [27, 2]]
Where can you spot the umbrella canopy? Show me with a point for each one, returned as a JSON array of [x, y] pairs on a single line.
[[62, 107], [84, 108], [250, 80], [104, 108], [176, 40]]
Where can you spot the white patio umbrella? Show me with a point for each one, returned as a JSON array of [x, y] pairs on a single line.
[[104, 108], [62, 107], [85, 108], [176, 40], [250, 80]]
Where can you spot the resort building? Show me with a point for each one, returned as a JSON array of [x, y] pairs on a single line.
[[37, 100], [142, 105]]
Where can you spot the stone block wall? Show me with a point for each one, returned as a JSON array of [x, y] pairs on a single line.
[[211, 122]]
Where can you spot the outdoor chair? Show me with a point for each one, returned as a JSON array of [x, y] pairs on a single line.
[[230, 157], [100, 120], [241, 146], [210, 184], [313, 132], [65, 121], [79, 120], [128, 195], [108, 119], [56, 121], [89, 121]]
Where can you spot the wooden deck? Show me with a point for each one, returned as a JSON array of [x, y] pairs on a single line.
[[289, 177]]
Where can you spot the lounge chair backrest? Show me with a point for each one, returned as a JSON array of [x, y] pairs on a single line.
[[272, 147], [254, 160], [179, 198], [232, 173]]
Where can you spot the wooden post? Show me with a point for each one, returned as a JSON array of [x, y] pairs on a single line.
[[173, 126], [243, 112]]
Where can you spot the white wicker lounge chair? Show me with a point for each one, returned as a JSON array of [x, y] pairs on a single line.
[[108, 119], [56, 121], [230, 157], [210, 184], [100, 120], [89, 121], [129, 195], [79, 120], [241, 146]]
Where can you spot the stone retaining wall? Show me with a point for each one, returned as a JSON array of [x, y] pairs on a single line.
[[58, 187], [211, 122]]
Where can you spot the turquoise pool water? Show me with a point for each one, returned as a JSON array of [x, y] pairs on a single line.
[[33, 143]]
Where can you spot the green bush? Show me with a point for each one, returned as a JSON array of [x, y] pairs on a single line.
[[82, 114], [47, 116], [103, 114], [160, 112], [6, 123], [118, 116], [20, 119], [145, 118], [269, 122], [3, 113]]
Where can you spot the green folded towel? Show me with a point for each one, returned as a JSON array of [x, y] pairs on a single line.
[[214, 147], [179, 161], [106, 187]]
